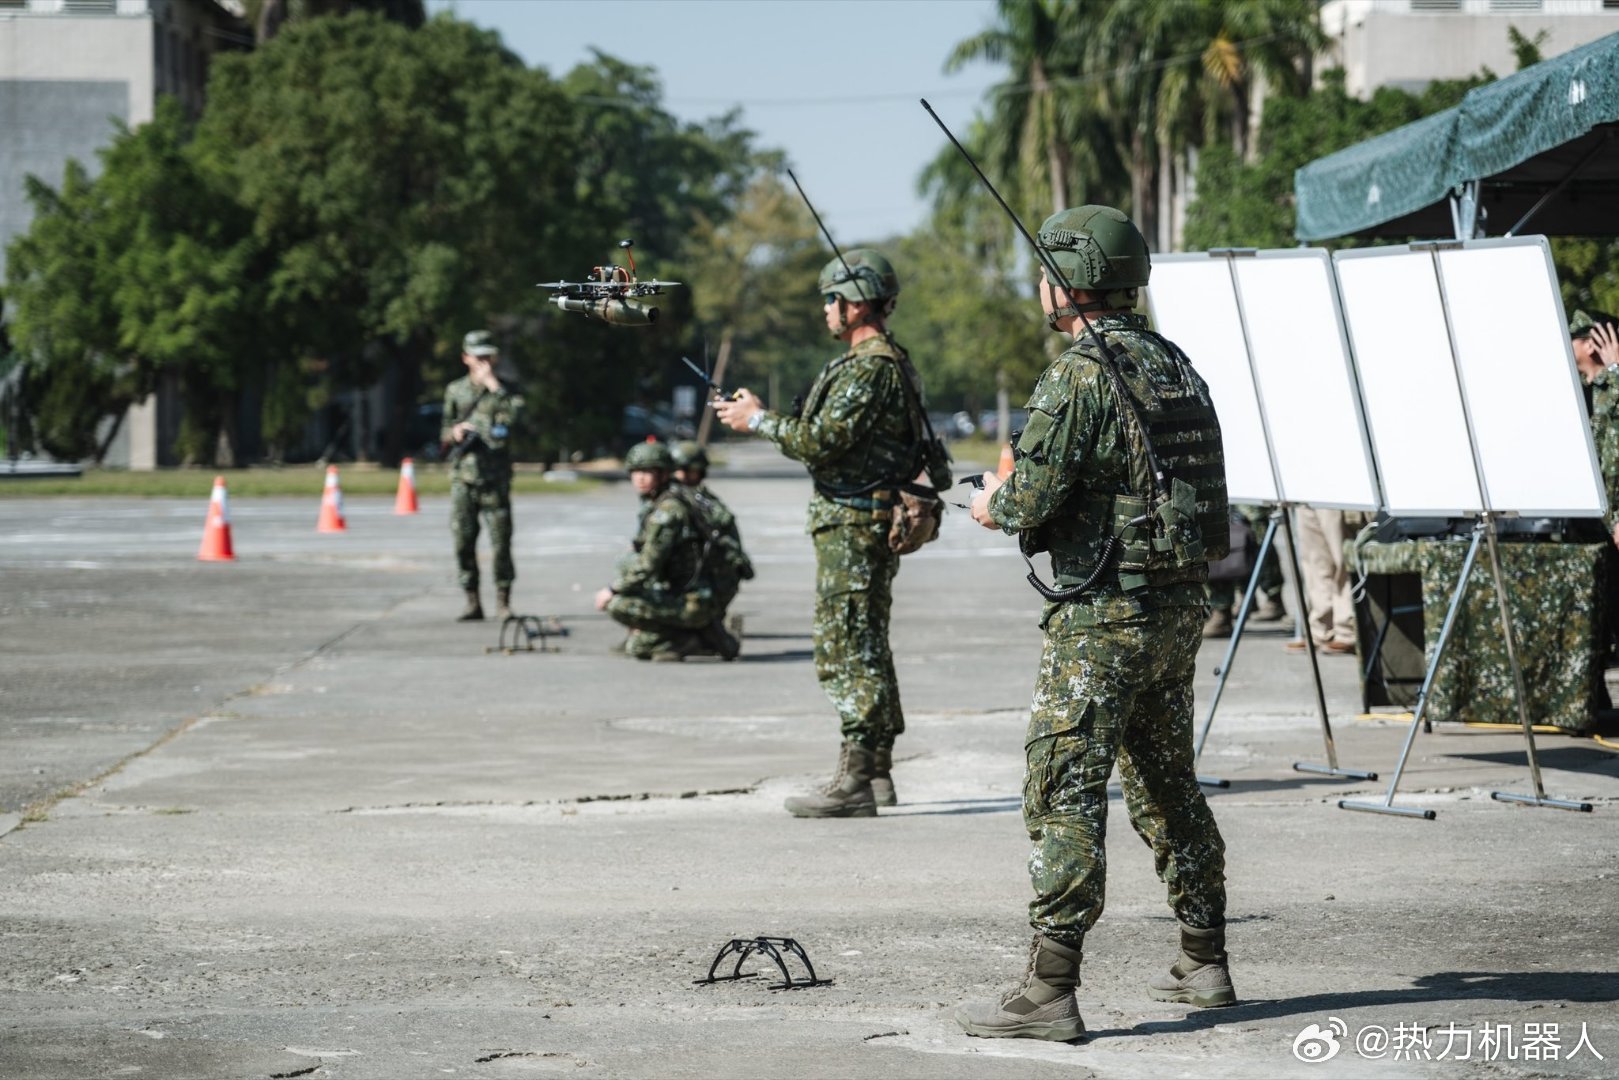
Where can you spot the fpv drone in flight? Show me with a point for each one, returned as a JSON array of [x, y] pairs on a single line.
[[612, 293]]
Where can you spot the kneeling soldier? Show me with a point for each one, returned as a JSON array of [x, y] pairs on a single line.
[[666, 591]]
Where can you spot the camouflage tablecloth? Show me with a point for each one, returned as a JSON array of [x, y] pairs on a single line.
[[1555, 592]]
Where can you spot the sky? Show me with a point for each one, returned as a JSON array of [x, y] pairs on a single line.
[[797, 68]]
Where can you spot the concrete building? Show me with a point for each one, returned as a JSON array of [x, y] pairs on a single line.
[[70, 70], [1410, 43]]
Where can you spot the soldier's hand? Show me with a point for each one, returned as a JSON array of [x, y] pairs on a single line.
[[1607, 344], [482, 372], [980, 503], [735, 412], [1616, 535], [602, 598], [459, 431]]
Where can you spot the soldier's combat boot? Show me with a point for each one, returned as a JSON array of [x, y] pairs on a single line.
[[1042, 1006], [718, 640], [847, 794], [1270, 609], [473, 612], [503, 602], [882, 784], [1200, 975], [1219, 624]]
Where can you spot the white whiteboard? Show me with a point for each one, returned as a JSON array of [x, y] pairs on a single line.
[[1194, 304], [1517, 371], [1306, 381], [1396, 320]]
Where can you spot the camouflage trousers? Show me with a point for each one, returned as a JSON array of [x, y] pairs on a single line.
[[854, 575], [660, 619], [1120, 691], [494, 504], [1226, 595]]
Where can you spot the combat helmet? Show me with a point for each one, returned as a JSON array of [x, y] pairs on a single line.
[[868, 277], [1100, 250], [689, 454], [648, 455]]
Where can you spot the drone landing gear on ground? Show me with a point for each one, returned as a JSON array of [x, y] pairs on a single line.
[[519, 632], [777, 949]]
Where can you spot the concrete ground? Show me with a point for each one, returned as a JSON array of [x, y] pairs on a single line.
[[283, 818]]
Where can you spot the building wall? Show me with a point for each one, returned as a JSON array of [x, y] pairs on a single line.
[[70, 72], [1410, 43]]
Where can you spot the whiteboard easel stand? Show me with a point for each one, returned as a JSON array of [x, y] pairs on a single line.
[[1280, 513], [1483, 530]]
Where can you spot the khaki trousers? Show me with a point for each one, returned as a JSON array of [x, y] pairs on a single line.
[[1321, 536]]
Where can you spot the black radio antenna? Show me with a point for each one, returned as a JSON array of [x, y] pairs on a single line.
[[1054, 274]]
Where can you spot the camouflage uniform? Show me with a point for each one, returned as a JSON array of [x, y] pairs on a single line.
[[855, 429], [1115, 678], [663, 593], [1605, 433], [481, 481], [1226, 595], [729, 564]]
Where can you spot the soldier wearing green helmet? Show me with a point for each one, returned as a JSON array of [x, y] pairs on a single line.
[[1119, 474], [858, 433], [670, 591], [480, 413]]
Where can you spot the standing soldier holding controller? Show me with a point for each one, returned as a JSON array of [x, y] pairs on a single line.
[[858, 438], [479, 415], [1120, 475]]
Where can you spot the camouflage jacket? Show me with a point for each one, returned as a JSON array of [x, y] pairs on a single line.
[[1072, 447], [493, 416], [729, 559], [1605, 433], [855, 429], [668, 550]]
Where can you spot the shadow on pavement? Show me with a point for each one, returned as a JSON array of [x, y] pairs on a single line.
[[1525, 986], [999, 805]]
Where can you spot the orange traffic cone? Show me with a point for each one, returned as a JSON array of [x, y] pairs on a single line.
[[1004, 469], [405, 500], [216, 530], [331, 505]]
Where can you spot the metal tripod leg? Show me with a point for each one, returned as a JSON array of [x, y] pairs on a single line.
[[1331, 768], [1539, 797], [1231, 651], [1387, 805]]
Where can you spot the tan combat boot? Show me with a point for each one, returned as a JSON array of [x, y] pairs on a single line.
[[473, 612], [847, 794], [1219, 624], [1042, 1006], [503, 602], [1199, 976], [882, 784], [716, 638]]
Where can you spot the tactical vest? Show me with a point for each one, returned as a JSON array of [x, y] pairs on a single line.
[[884, 464], [1167, 534]]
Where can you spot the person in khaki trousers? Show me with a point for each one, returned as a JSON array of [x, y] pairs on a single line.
[[1321, 535]]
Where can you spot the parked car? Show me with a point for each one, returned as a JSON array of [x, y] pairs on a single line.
[[988, 421]]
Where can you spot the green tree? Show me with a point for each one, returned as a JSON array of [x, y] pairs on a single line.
[[404, 183], [140, 273]]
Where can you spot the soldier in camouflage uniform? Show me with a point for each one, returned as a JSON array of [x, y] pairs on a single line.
[[479, 415], [667, 593], [731, 565], [1129, 551], [857, 437], [1596, 353]]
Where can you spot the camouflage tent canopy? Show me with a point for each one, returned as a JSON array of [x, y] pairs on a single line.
[[1520, 138]]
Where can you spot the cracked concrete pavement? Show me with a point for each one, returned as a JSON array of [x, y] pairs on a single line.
[[290, 820]]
